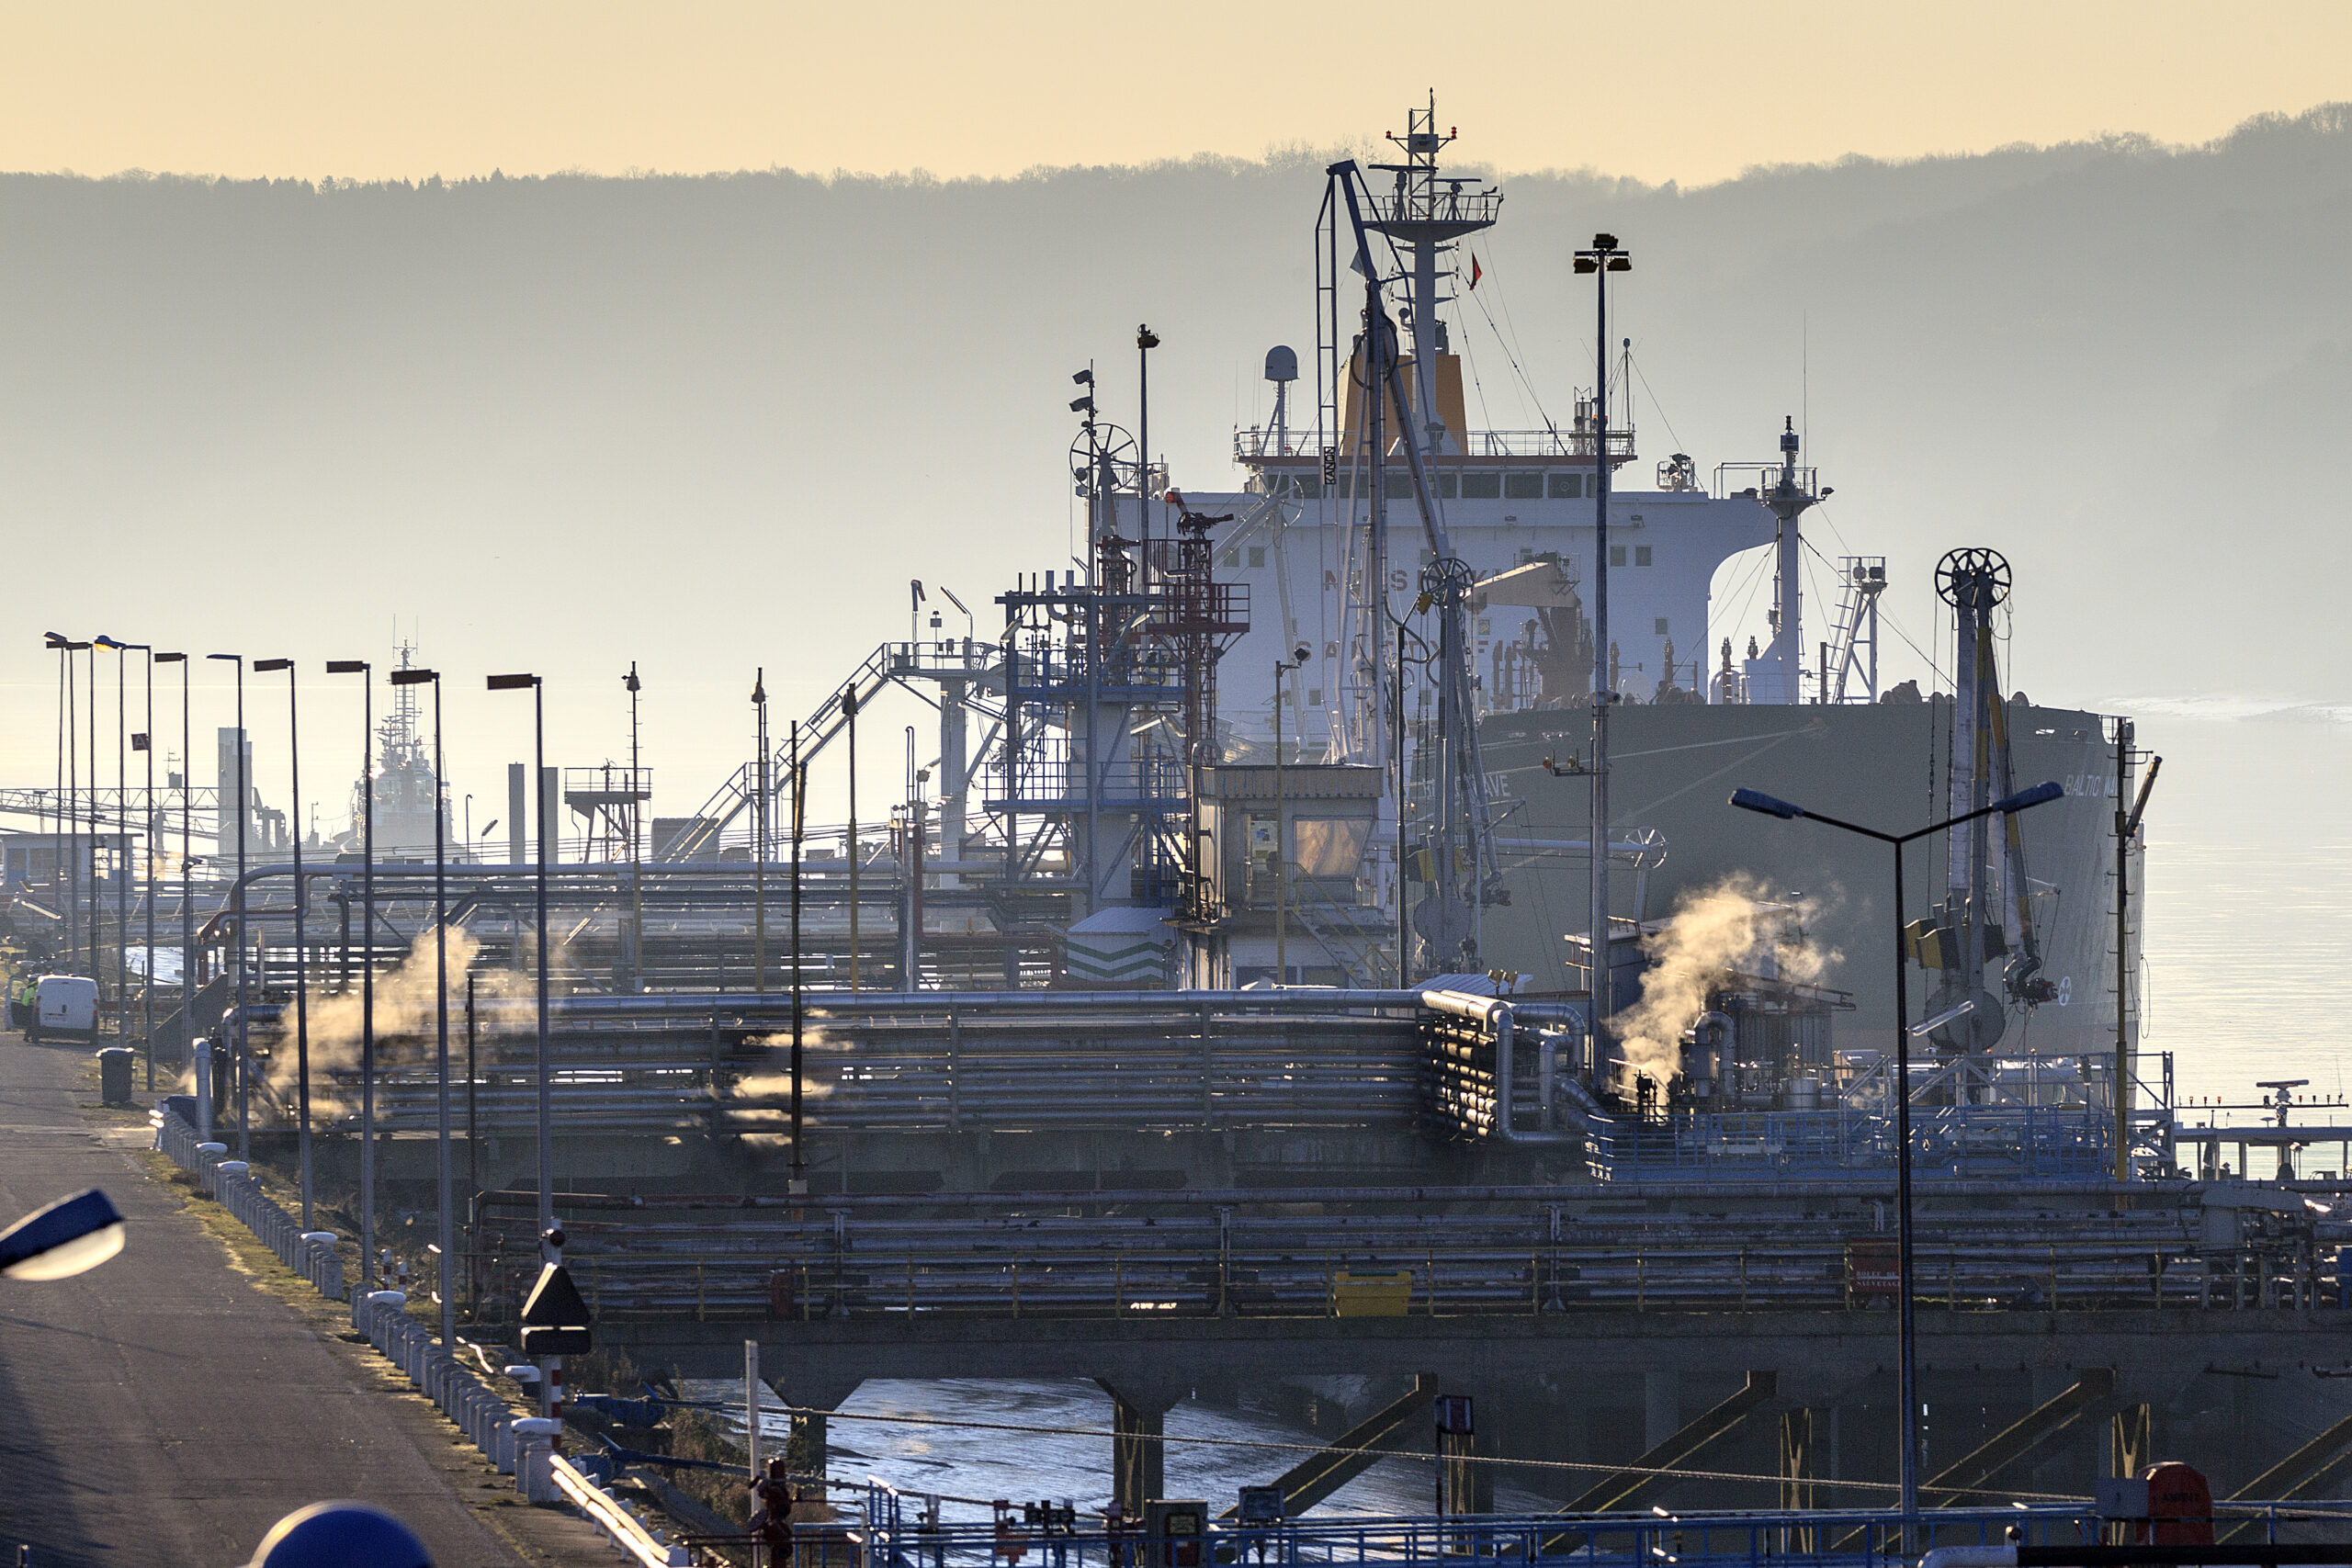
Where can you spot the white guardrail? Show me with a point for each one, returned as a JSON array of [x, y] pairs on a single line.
[[520, 1446]]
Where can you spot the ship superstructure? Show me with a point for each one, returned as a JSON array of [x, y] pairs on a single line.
[[402, 777], [1335, 536]]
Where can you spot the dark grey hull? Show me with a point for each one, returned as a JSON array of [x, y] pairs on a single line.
[[1883, 766]]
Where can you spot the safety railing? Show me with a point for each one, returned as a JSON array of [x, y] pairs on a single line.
[[1258, 444], [612, 1515], [1177, 1266], [1848, 1538]]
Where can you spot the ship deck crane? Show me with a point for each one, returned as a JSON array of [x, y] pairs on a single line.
[[1448, 918]]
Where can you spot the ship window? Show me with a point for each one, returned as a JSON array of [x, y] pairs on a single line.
[[1401, 487], [1523, 487], [1567, 487], [1308, 487], [1486, 485], [1448, 482], [1616, 555], [1230, 557], [1641, 555], [1659, 628], [1257, 554], [1345, 488], [1485, 626], [1315, 696]]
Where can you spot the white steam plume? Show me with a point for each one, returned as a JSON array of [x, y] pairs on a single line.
[[1729, 925]]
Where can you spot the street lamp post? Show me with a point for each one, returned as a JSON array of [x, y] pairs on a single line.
[[549, 1370], [146, 742], [70, 798], [360, 668], [244, 1027], [187, 867], [1281, 849], [1906, 1326], [759, 837], [442, 1173], [798, 1181], [54, 818], [301, 933], [143, 741], [97, 824], [56, 815], [636, 793], [122, 825], [849, 711]]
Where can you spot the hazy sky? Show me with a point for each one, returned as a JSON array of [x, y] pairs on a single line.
[[1691, 91]]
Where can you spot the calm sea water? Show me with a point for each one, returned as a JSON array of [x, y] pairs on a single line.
[[1055, 1454], [2249, 909], [2248, 934]]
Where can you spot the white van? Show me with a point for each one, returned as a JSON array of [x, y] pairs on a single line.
[[65, 1007]]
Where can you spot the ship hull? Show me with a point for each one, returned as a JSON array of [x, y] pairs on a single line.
[[1882, 765]]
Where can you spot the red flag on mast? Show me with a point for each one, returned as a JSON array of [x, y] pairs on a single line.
[[1477, 272]]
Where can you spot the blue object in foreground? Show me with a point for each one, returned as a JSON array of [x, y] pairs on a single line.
[[71, 1236], [1756, 800], [340, 1535]]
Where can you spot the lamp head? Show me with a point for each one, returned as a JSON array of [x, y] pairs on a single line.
[[1756, 800], [1083, 379], [513, 682], [412, 677], [2025, 798], [346, 667], [271, 666], [237, 658], [171, 659], [71, 1236]]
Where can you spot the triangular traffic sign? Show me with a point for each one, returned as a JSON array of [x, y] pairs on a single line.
[[555, 1317]]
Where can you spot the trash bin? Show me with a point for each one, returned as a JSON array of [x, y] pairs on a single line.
[[114, 1076]]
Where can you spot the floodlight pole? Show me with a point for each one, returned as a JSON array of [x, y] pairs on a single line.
[[1603, 258]]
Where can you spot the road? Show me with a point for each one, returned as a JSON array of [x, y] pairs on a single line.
[[169, 1407]]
